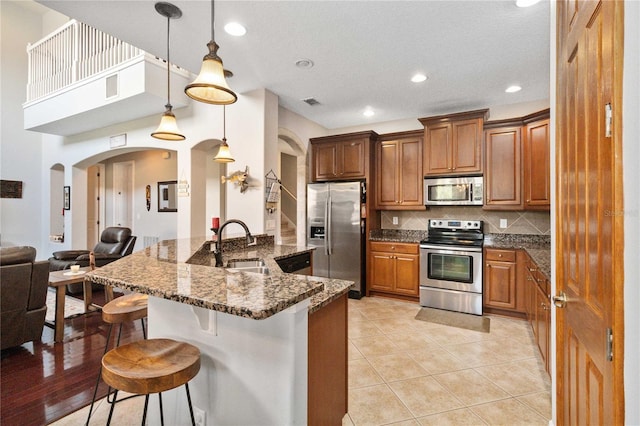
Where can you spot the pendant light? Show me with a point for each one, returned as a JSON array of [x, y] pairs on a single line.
[[168, 128], [211, 86], [224, 155]]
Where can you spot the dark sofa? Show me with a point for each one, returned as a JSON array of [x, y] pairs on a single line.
[[23, 295]]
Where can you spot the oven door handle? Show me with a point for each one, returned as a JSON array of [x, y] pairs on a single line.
[[448, 249]]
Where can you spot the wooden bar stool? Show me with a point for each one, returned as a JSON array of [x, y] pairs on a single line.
[[151, 366], [118, 311]]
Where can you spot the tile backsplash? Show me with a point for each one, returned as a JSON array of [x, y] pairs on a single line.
[[528, 222]]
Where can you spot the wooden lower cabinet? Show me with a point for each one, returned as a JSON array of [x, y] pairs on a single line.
[[503, 291], [542, 324], [327, 363], [538, 307], [394, 269], [500, 279]]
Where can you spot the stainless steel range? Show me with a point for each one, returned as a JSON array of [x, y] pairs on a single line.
[[451, 266]]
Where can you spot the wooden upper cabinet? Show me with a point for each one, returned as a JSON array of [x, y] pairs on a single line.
[[437, 148], [537, 165], [341, 157], [453, 143], [517, 167], [399, 172], [325, 161], [503, 169]]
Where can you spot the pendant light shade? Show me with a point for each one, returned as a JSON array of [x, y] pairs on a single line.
[[210, 86], [168, 128], [224, 154]]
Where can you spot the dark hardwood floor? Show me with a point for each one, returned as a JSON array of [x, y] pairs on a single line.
[[41, 382]]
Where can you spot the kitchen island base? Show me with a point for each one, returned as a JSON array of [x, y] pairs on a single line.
[[252, 371]]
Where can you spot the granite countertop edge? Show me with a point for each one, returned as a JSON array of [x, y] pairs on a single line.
[[537, 246], [165, 275]]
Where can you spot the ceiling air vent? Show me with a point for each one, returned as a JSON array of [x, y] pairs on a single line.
[[311, 101]]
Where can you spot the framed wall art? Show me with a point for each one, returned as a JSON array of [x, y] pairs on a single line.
[[66, 203]]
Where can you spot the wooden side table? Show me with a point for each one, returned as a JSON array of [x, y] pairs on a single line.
[[59, 281]]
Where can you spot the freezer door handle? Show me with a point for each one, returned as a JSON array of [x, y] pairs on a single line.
[[328, 229], [326, 226]]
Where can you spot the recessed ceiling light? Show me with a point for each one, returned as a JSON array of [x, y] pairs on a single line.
[[526, 3], [418, 78], [235, 29], [368, 112], [513, 89], [304, 63]]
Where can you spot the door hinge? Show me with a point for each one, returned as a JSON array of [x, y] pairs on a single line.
[[609, 344], [608, 117]]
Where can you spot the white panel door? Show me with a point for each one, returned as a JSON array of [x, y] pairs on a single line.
[[123, 194]]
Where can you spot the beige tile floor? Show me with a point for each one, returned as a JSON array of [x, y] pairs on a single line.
[[403, 371]]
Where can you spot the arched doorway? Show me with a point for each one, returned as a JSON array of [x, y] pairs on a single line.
[[293, 174]]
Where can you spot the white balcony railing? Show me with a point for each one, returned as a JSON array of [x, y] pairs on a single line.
[[70, 54]]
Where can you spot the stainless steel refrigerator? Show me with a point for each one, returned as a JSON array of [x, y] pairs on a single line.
[[335, 228]]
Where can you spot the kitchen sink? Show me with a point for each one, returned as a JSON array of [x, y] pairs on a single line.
[[257, 269], [236, 264], [257, 266]]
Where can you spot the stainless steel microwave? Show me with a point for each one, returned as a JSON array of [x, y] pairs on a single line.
[[454, 191]]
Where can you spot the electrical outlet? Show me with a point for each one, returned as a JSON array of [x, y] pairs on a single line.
[[503, 223], [395, 220], [200, 416]]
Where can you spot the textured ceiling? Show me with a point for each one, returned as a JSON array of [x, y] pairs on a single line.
[[364, 52]]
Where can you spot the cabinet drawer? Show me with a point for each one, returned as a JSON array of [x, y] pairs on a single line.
[[407, 248], [500, 255]]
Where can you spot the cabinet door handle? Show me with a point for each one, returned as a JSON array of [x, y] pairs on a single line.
[[499, 255]]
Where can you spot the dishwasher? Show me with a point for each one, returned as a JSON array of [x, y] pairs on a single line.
[[298, 264]]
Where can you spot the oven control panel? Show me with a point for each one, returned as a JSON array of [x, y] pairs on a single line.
[[455, 224]]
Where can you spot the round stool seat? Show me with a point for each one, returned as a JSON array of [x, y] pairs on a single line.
[[150, 366], [125, 308]]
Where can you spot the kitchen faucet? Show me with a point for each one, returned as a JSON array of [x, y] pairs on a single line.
[[217, 252]]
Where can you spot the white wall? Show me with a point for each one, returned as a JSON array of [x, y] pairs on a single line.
[[631, 153], [149, 169], [21, 220]]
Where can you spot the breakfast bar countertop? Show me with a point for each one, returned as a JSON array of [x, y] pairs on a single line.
[[183, 270]]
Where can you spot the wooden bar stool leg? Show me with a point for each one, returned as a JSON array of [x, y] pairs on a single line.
[[193, 418], [161, 412], [95, 390], [144, 413], [113, 405]]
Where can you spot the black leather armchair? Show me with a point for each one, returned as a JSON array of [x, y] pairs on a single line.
[[115, 243], [23, 295]]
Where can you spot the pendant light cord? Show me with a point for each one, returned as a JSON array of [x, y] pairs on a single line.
[[168, 64], [213, 5], [224, 123]]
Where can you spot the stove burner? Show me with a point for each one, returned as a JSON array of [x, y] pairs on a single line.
[[455, 232]]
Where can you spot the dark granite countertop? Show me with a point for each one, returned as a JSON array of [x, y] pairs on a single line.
[[397, 235], [183, 271], [538, 247]]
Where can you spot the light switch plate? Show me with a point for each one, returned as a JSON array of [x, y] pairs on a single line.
[[395, 220], [503, 223]]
